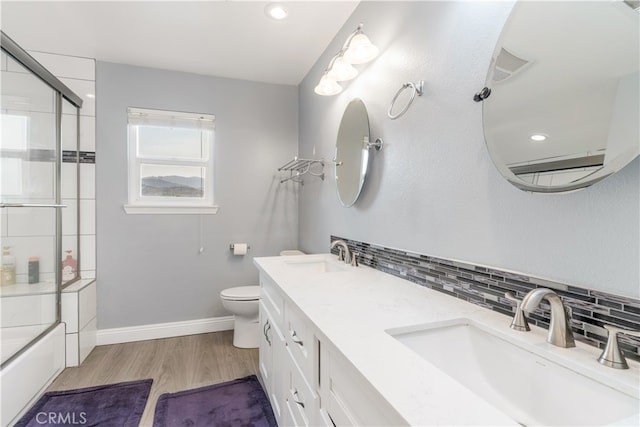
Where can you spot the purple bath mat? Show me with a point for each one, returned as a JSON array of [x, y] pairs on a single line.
[[110, 405], [235, 403]]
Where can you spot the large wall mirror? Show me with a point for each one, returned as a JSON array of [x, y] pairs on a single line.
[[352, 152], [563, 112]]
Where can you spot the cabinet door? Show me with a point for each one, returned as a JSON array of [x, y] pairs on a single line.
[[301, 398], [300, 341], [278, 373], [272, 364], [265, 350]]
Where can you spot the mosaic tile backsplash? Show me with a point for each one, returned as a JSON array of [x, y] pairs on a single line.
[[486, 287]]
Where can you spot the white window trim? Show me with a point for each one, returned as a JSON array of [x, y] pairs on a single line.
[[184, 205], [175, 210]]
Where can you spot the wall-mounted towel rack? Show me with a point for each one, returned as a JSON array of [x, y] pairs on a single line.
[[298, 167]]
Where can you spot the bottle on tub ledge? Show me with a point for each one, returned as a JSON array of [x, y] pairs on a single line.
[[8, 275], [69, 267], [34, 270]]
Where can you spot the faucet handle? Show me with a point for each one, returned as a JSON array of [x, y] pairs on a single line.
[[519, 322], [612, 356], [354, 259]]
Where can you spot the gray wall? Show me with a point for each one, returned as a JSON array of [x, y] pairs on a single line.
[[150, 269], [433, 189]]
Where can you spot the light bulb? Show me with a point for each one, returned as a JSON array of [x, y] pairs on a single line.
[[276, 11], [538, 137], [360, 50], [341, 70], [327, 87]]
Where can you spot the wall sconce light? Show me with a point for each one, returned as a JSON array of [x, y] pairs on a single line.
[[358, 49]]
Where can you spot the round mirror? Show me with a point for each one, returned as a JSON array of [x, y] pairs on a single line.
[[352, 152], [563, 109]]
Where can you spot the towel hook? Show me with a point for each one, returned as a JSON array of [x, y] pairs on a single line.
[[417, 88]]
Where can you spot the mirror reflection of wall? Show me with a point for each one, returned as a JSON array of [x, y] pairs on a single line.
[[564, 107], [352, 152]]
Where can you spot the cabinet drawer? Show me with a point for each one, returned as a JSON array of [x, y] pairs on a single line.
[[299, 339], [272, 298], [301, 399]]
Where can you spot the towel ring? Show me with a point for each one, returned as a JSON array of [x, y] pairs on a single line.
[[418, 88]]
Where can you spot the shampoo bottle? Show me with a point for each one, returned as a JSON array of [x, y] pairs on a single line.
[[69, 267], [8, 267]]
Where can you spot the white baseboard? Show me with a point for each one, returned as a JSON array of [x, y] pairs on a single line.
[[163, 330]]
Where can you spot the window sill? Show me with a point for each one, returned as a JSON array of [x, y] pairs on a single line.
[[170, 210]]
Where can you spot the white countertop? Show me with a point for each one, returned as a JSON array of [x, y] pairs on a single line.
[[354, 308]]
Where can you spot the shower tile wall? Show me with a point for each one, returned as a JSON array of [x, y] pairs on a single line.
[[79, 75], [486, 287]]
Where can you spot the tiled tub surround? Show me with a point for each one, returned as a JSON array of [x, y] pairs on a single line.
[[486, 287]]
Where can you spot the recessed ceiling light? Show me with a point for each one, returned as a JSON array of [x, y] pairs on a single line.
[[276, 11], [538, 137]]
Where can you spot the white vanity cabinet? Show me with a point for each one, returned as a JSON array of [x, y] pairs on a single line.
[[284, 346], [347, 397], [308, 381], [272, 346]]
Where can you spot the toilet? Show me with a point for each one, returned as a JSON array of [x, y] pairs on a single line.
[[243, 301]]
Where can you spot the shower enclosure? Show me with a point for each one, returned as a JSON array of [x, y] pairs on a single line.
[[38, 198]]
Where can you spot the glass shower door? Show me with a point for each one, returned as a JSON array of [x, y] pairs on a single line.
[[30, 218]]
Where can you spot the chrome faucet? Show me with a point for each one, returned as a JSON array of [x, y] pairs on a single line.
[[345, 248], [559, 330]]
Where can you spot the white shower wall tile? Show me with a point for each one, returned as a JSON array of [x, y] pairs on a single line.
[[40, 96], [88, 274], [31, 221], [37, 181], [88, 251], [69, 180], [87, 216], [69, 132], [82, 88], [4, 226], [87, 133], [87, 181], [72, 67], [70, 217]]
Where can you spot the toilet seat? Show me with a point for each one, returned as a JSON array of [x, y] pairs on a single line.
[[241, 293]]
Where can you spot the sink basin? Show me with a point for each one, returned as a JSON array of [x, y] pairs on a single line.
[[527, 387], [317, 265]]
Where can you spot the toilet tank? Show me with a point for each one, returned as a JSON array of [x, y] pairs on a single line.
[[291, 252]]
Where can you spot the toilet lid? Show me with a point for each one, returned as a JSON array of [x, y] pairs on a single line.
[[241, 293]]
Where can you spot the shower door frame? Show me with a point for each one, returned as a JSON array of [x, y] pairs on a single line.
[[12, 49]]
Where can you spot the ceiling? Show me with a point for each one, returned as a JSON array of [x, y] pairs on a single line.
[[233, 39]]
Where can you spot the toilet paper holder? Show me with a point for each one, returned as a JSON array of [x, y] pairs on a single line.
[[232, 247]]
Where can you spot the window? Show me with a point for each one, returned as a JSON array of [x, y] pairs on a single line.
[[15, 136], [170, 162]]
